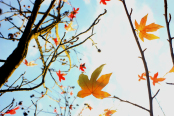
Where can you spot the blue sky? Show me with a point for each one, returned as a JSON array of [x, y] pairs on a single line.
[[118, 51]]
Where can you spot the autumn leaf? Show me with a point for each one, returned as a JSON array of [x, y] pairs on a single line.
[[143, 29], [142, 77], [73, 13], [155, 79], [94, 86], [12, 111], [172, 70], [88, 106], [30, 63], [62, 108], [56, 41], [82, 67], [55, 110], [69, 27], [109, 112], [71, 93], [60, 75], [103, 1], [70, 107]]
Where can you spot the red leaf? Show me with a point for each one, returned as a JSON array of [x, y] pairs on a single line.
[[104, 1], [73, 13], [70, 107], [82, 67], [60, 75], [71, 93], [55, 110], [56, 41], [12, 111]]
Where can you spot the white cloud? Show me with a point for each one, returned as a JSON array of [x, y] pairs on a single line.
[[32, 51], [87, 1]]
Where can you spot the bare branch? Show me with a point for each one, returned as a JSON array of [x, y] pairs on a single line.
[[156, 93], [130, 103]]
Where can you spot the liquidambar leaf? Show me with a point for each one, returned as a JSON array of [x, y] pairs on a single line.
[[172, 70], [143, 29], [155, 79], [94, 86]]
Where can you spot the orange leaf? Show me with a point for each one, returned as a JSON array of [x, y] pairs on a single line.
[[71, 93], [109, 112], [143, 29], [30, 63], [155, 79], [69, 27], [172, 70], [141, 77], [94, 86]]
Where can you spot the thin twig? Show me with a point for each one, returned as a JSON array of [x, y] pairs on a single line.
[[156, 93], [130, 103]]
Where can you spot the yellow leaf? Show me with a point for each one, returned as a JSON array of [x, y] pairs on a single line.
[[172, 70], [94, 86], [109, 112], [143, 29], [69, 27]]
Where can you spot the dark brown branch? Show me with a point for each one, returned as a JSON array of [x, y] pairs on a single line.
[[143, 58], [170, 83], [131, 12], [16, 58], [168, 30], [93, 24], [8, 105], [19, 5], [156, 94], [45, 15], [130, 103], [2, 60]]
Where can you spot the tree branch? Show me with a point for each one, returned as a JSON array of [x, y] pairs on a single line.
[[130, 103], [142, 57]]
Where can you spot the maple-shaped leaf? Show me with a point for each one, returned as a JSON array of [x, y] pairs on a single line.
[[29, 63], [94, 86], [155, 79], [56, 41], [69, 27], [12, 111], [73, 13], [143, 29], [60, 75], [82, 67], [103, 1], [109, 112], [142, 76]]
